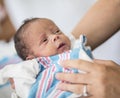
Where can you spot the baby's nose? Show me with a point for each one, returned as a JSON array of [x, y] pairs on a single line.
[[54, 38]]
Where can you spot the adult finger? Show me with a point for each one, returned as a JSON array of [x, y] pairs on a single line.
[[74, 77], [75, 88], [105, 62], [78, 64]]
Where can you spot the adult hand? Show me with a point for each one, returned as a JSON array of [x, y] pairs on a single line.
[[102, 78]]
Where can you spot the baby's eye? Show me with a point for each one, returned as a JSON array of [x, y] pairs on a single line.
[[45, 40], [56, 32]]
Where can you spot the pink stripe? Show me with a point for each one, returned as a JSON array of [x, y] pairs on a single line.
[[42, 82], [51, 77], [42, 61], [48, 59], [58, 94]]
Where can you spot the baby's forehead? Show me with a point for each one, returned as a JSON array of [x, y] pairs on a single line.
[[40, 25], [46, 24]]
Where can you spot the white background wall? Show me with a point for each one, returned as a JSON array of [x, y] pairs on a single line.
[[65, 13]]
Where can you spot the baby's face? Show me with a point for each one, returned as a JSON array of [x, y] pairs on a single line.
[[45, 39]]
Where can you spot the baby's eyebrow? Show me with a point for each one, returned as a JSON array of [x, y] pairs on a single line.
[[55, 30]]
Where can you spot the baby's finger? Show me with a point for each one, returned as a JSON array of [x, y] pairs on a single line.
[[12, 83]]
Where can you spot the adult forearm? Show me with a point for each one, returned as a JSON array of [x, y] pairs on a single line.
[[100, 22]]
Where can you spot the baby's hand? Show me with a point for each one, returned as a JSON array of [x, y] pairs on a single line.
[[12, 83]]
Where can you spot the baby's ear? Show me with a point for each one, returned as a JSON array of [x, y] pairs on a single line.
[[29, 57]]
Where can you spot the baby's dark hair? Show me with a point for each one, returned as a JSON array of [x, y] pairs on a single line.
[[19, 39]]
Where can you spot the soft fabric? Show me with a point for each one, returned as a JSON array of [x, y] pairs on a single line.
[[4, 61], [46, 83], [36, 78], [23, 74]]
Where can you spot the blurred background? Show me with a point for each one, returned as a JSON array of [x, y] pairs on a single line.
[[65, 13]]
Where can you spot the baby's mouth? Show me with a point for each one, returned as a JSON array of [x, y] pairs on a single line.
[[61, 45]]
